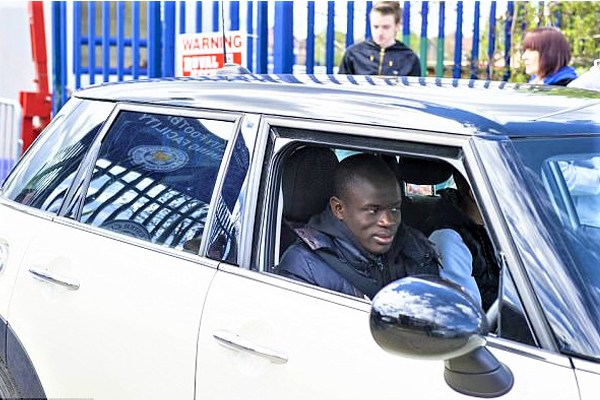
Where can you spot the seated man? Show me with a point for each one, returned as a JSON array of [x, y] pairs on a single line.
[[358, 244]]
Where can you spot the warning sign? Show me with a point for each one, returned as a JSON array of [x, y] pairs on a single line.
[[202, 53]]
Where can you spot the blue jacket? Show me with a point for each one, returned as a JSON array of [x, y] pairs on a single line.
[[562, 77], [411, 254], [367, 58]]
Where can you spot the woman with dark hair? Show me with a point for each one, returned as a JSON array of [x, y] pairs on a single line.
[[546, 57]]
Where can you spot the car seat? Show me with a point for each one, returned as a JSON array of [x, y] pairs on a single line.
[[417, 209], [306, 186]]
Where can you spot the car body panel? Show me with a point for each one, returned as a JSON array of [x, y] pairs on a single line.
[[588, 378], [16, 241], [330, 353], [140, 338], [445, 105]]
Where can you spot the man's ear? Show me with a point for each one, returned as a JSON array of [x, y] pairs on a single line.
[[337, 207]]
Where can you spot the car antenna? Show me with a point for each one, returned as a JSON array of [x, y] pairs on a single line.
[[228, 68], [223, 32]]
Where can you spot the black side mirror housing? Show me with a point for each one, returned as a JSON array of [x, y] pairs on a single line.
[[427, 317]]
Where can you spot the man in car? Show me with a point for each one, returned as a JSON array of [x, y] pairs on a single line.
[[358, 244], [382, 54]]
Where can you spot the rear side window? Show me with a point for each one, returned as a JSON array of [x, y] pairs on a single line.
[[154, 177], [44, 174]]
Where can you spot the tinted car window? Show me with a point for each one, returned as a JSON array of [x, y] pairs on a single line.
[[154, 177], [223, 244], [42, 178], [554, 232]]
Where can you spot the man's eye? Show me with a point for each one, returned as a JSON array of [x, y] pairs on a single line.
[[395, 209], [373, 210]]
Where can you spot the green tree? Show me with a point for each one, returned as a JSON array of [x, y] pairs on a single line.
[[577, 20]]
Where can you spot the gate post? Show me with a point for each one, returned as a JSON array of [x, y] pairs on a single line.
[[262, 45], [154, 42], [283, 39], [310, 38], [330, 38], [168, 39], [38, 105], [457, 71]]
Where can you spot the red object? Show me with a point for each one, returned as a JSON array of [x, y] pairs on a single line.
[[38, 104]]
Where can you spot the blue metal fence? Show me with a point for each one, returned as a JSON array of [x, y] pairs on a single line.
[[130, 50]]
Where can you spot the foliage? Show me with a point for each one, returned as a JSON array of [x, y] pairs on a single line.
[[577, 20]]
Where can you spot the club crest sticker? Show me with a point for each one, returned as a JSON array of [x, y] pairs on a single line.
[[126, 227], [158, 158]]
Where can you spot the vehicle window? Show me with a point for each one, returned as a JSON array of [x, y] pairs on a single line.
[[223, 242], [305, 176], [44, 174], [413, 189], [577, 176], [154, 177], [511, 321], [559, 254]]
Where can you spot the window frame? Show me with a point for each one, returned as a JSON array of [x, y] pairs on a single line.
[[72, 206], [51, 132], [281, 136]]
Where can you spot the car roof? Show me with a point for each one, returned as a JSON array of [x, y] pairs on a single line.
[[470, 107]]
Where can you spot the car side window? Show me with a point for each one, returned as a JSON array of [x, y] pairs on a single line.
[[44, 174], [229, 210], [154, 177], [576, 178], [306, 177]]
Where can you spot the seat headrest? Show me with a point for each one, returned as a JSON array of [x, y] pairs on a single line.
[[424, 172], [306, 182]]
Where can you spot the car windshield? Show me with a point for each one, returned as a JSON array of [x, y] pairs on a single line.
[[549, 192]]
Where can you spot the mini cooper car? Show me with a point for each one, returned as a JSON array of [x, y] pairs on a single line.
[[140, 237]]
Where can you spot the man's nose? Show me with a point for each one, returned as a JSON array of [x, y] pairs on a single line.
[[387, 218]]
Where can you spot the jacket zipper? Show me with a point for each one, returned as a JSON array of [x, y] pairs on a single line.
[[381, 54]]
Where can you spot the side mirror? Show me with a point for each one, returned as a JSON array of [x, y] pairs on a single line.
[[427, 317]]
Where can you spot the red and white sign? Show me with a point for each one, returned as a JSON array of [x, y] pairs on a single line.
[[202, 53]]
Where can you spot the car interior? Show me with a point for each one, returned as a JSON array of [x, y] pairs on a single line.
[[306, 187]]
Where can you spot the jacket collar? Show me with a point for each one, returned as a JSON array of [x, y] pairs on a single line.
[[331, 233], [396, 46], [565, 72]]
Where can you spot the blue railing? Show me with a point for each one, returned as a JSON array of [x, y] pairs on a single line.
[[149, 51]]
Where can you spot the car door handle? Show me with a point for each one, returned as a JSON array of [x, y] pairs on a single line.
[[234, 341], [45, 275]]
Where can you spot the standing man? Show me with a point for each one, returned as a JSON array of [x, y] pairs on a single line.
[[382, 54]]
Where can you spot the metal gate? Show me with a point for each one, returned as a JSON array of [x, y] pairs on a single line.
[[10, 135], [114, 41]]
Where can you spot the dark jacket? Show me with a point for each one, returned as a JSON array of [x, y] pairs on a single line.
[[449, 214], [411, 254], [367, 58]]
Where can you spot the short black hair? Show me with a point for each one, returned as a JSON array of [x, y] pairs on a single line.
[[364, 166]]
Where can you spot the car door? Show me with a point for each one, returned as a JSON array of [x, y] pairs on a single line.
[[588, 377], [263, 338], [266, 337], [109, 295]]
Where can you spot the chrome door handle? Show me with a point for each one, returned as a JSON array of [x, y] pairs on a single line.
[[234, 341], [45, 275]]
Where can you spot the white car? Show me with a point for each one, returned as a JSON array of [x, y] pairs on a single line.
[[140, 233]]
